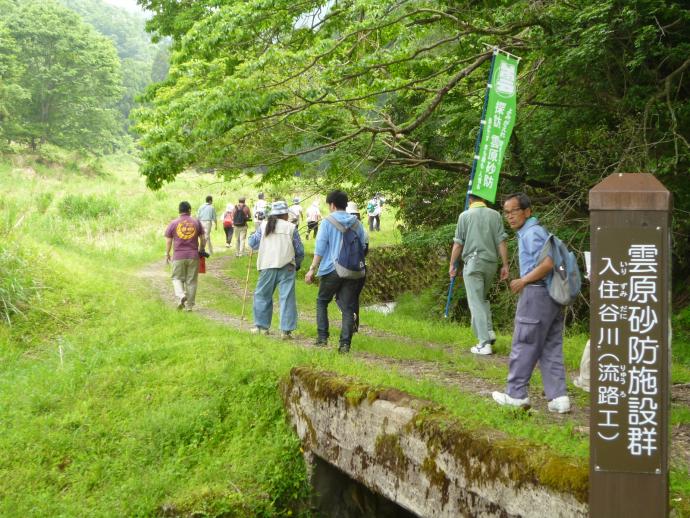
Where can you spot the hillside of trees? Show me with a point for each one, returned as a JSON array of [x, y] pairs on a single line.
[[70, 72]]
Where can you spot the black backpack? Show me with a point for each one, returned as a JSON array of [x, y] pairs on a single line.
[[239, 218]]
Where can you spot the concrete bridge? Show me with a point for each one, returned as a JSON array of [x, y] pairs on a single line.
[[383, 453]]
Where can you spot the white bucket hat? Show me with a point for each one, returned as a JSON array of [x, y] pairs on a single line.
[[278, 208], [352, 208]]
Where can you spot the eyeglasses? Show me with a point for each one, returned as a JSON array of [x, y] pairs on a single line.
[[508, 213]]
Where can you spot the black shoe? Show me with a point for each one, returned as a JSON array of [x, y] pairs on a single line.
[[344, 348], [320, 342]]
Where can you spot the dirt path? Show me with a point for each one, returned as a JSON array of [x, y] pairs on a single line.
[[159, 278]]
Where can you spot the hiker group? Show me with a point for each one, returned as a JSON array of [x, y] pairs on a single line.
[[339, 263], [339, 257]]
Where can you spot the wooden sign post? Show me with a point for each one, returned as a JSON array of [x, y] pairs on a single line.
[[630, 333]]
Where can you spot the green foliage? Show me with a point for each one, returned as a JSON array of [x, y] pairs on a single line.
[[141, 61], [17, 288], [76, 206], [71, 76], [387, 96]]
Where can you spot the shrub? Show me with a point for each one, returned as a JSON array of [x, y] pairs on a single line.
[[17, 288], [87, 206]]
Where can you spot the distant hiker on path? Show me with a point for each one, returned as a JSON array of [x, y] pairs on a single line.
[[240, 217], [260, 210], [227, 224], [374, 213], [538, 333], [480, 238], [295, 212], [313, 218], [185, 236], [339, 245], [280, 256], [207, 216]]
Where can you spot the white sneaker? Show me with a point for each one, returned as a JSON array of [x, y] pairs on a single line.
[[482, 349], [504, 399], [560, 404]]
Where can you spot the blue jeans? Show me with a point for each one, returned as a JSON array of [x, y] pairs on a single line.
[[347, 291], [284, 279]]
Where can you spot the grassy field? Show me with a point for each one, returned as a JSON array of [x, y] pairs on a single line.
[[114, 404]]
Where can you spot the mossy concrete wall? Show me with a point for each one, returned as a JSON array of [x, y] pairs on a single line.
[[418, 456]]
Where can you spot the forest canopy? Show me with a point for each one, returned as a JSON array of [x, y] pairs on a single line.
[[387, 95], [70, 72]]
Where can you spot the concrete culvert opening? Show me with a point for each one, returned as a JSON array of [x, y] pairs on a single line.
[[336, 495]]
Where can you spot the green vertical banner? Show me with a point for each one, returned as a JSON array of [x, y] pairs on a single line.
[[499, 119]]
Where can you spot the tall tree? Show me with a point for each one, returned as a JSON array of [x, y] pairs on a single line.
[[72, 75], [388, 93]]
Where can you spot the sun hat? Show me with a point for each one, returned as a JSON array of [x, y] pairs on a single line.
[[352, 208], [278, 208]]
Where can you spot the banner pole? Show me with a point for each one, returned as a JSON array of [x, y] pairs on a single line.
[[482, 121]]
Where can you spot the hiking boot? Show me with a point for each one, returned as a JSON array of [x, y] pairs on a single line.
[[286, 335], [256, 330], [560, 405], [484, 349], [180, 302], [344, 348], [504, 399], [321, 342]]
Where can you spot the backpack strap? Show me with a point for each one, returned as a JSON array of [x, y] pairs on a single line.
[[342, 228], [337, 224]]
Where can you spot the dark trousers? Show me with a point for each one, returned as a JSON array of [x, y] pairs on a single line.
[[360, 287], [374, 223], [312, 226], [347, 292], [228, 234]]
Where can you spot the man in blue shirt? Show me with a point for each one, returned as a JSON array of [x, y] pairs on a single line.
[[538, 333], [328, 242], [207, 216]]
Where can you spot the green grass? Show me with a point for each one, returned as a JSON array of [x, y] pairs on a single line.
[[113, 404]]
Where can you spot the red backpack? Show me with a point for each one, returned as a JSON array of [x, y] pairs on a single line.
[[227, 222]]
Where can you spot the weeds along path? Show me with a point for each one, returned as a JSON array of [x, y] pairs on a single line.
[[437, 372]]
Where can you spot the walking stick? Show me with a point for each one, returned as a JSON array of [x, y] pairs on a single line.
[[450, 295], [246, 283]]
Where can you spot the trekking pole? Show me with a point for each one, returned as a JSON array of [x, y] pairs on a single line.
[[246, 283], [450, 293]]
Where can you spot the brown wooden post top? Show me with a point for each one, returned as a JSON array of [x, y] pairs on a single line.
[[630, 191]]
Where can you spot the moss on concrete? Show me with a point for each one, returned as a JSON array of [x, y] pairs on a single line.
[[389, 453], [508, 460]]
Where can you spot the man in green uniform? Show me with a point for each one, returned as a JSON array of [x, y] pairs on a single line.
[[480, 240]]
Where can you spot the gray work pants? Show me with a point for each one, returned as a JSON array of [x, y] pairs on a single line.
[[478, 277], [538, 337]]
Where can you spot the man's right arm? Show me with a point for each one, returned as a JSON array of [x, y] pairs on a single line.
[[503, 252]]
